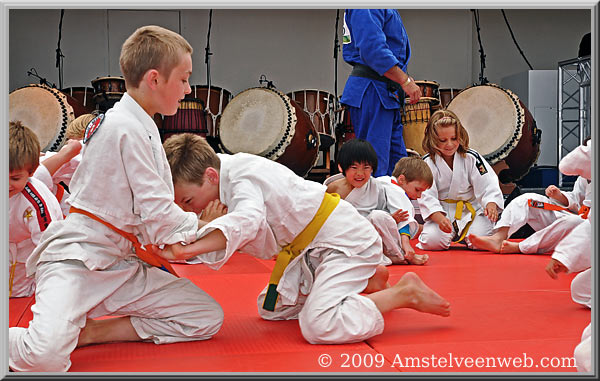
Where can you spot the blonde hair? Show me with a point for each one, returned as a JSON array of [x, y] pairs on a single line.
[[151, 47], [23, 148], [189, 156], [444, 118], [414, 169], [76, 129]]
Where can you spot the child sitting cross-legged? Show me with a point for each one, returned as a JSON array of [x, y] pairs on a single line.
[[384, 201]]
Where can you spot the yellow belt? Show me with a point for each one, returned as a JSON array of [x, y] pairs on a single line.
[[292, 250], [460, 204]]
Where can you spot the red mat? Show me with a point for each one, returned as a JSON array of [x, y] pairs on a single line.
[[507, 316]]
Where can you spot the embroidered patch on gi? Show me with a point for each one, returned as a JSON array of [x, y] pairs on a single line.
[[479, 162], [28, 214], [92, 127]]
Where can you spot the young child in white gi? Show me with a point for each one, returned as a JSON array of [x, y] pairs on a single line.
[[58, 176], [551, 217], [327, 250], [573, 253], [384, 201], [31, 206], [465, 196], [87, 265]]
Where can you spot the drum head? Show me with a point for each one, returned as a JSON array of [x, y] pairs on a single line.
[[493, 118], [45, 111], [260, 121]]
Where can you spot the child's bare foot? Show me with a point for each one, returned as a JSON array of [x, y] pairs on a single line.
[[420, 297], [379, 280], [509, 247], [490, 243], [417, 259]]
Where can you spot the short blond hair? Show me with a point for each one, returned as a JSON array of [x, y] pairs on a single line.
[[23, 148], [444, 118], [189, 155], [151, 47], [414, 169], [76, 129]]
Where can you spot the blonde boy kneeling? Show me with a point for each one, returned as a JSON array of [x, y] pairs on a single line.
[[270, 211]]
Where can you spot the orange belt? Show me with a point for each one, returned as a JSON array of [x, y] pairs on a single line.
[[142, 253], [60, 192], [583, 211]]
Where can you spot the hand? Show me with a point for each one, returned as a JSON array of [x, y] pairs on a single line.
[[553, 192], [491, 211], [413, 91], [400, 215], [443, 222], [213, 210], [170, 252], [71, 148], [554, 267]]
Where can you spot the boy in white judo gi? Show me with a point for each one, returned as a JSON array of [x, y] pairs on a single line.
[[573, 253], [384, 201], [551, 217], [89, 265], [465, 196], [327, 250], [31, 206]]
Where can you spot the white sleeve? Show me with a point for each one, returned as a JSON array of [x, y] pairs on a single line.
[[578, 161], [42, 174], [396, 199], [429, 202], [575, 250]]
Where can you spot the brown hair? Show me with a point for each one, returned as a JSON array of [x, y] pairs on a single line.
[[414, 169], [76, 129], [189, 156], [444, 118], [23, 148], [151, 47]]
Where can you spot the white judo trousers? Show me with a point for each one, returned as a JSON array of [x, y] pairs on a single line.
[[583, 351], [470, 179], [268, 206]]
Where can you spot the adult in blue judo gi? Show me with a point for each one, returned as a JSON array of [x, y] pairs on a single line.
[[377, 46]]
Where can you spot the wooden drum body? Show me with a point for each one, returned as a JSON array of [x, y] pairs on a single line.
[[320, 106]]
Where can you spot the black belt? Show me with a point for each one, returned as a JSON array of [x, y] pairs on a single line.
[[360, 70]]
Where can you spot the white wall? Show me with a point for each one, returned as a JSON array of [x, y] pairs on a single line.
[[292, 47]]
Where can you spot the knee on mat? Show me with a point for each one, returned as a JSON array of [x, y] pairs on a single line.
[[579, 297], [217, 317], [46, 359], [316, 327]]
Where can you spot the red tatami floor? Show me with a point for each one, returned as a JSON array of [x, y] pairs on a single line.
[[507, 315]]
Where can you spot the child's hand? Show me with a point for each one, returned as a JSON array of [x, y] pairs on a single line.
[[554, 267], [170, 252], [442, 221], [71, 148], [400, 215], [491, 211], [213, 210], [553, 192]]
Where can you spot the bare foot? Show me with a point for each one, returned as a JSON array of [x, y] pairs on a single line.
[[420, 296], [509, 247], [417, 259], [489, 243], [379, 280]]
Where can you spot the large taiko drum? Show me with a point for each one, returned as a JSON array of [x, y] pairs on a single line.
[[414, 119], [44, 110], [320, 106], [214, 99], [266, 122], [190, 117], [500, 128], [108, 91]]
